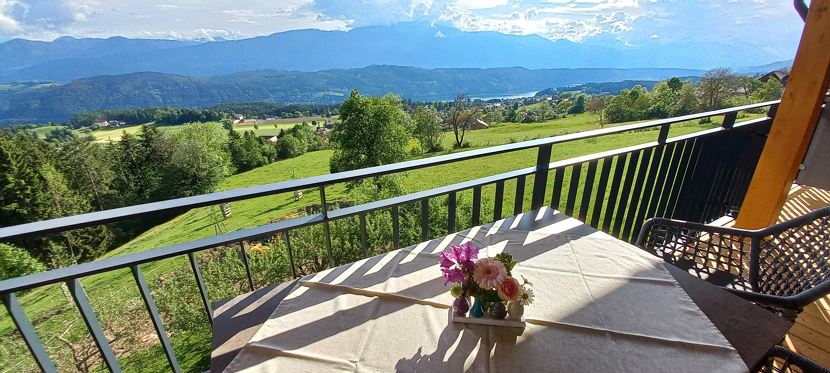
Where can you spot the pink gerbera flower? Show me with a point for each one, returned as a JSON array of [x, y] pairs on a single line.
[[489, 273]]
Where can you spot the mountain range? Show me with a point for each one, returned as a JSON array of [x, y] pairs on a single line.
[[58, 102], [405, 44]]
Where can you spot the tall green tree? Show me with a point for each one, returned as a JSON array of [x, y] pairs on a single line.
[[199, 160], [373, 131], [579, 105], [427, 128]]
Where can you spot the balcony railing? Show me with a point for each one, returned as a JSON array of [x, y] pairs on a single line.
[[699, 177]]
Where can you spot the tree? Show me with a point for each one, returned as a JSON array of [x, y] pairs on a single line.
[[88, 170], [427, 128], [675, 84], [23, 194], [290, 146], [579, 105], [715, 86], [461, 115], [247, 151], [372, 131], [747, 85], [596, 106], [686, 101], [198, 160], [771, 90]]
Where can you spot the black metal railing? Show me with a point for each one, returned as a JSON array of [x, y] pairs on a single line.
[[699, 177]]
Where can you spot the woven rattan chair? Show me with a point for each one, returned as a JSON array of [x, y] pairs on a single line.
[[782, 360], [783, 267]]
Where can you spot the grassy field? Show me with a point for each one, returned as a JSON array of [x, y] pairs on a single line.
[[114, 134], [193, 349]]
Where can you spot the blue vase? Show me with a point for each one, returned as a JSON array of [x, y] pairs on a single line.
[[478, 309]]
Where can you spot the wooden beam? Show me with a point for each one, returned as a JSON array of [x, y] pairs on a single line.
[[794, 123]]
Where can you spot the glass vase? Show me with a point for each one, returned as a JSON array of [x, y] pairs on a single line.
[[478, 308]]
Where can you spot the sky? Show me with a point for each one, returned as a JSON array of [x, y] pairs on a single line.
[[771, 24]]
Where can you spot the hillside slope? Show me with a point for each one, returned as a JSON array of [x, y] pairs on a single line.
[[59, 102]]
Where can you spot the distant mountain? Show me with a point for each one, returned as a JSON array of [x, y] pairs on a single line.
[[59, 102], [405, 44], [763, 69]]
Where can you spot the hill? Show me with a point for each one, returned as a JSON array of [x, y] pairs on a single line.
[[412, 44], [59, 102]]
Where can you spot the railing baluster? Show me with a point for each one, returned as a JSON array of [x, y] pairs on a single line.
[[396, 232], [631, 169], [287, 237], [518, 203], [671, 174], [425, 219], [476, 218], [664, 134], [660, 185], [154, 316], [587, 191], [729, 120], [451, 201], [648, 192], [636, 194], [243, 255], [573, 188], [613, 193], [679, 176], [773, 109], [200, 282], [556, 196], [82, 301], [540, 178], [691, 200], [27, 331], [599, 200], [499, 200], [364, 242], [326, 226]]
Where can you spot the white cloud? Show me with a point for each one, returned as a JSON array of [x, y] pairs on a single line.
[[772, 25], [8, 25]]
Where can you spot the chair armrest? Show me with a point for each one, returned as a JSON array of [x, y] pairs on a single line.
[[790, 358], [703, 250]]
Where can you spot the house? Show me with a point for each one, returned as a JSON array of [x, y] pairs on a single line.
[[479, 124], [780, 75]]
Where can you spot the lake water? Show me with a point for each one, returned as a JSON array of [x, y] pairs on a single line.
[[505, 96]]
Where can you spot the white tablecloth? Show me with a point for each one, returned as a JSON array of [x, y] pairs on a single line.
[[601, 305]]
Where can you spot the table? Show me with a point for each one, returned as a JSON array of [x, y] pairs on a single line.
[[602, 305]]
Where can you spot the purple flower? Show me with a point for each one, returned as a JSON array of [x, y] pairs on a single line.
[[458, 262]]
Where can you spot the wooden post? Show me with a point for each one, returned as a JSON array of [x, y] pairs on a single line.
[[794, 123]]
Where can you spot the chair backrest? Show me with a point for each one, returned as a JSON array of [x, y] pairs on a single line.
[[794, 256]]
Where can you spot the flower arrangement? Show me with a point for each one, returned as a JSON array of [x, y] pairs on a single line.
[[489, 280]]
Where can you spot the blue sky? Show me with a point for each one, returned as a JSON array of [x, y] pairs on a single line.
[[770, 24]]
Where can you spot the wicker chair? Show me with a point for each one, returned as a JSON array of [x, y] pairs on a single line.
[[782, 360], [783, 267]]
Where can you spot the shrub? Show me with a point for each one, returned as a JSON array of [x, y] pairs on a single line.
[[16, 262], [289, 146]]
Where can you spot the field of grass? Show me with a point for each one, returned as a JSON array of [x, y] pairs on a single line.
[[199, 223]]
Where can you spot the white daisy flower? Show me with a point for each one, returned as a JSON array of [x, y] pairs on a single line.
[[526, 297]]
